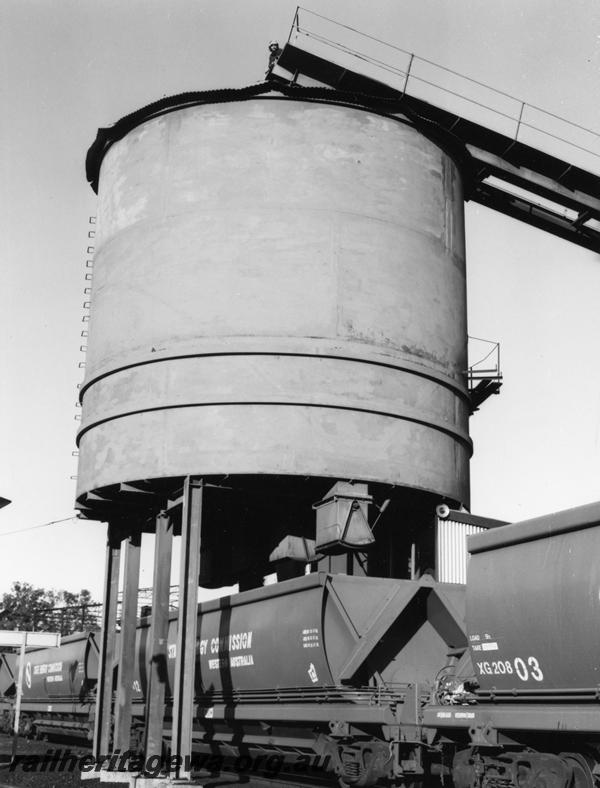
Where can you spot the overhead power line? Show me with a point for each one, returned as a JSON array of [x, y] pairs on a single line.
[[42, 525]]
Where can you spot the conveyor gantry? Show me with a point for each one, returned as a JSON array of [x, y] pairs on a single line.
[[509, 176]]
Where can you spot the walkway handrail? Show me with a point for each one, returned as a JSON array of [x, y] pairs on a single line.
[[301, 28]]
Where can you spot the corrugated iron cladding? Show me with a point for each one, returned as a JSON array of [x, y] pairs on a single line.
[[452, 553]]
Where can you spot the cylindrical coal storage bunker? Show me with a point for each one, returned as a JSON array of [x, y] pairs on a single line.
[[278, 288]]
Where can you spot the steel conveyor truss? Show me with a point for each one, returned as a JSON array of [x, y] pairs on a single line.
[[506, 175]]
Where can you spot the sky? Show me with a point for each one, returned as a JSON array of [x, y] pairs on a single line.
[[70, 66]]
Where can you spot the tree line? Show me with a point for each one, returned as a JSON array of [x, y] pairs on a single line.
[[39, 609]]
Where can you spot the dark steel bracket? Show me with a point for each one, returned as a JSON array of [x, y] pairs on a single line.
[[440, 612]]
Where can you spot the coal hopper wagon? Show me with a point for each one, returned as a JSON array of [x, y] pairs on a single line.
[[385, 681], [57, 690]]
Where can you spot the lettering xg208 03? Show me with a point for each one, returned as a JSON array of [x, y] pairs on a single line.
[[525, 669]]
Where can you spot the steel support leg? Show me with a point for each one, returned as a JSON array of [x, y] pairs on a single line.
[[17, 721], [183, 690], [157, 643], [104, 687], [126, 657]]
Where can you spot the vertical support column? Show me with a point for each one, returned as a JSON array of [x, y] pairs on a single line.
[[17, 720], [157, 644], [104, 687], [126, 658], [183, 690]]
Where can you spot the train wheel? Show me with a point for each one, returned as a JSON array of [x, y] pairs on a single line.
[[582, 769]]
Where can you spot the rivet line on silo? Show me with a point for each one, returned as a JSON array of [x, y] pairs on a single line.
[[87, 290]]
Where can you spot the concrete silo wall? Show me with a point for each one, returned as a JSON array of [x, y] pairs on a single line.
[[279, 288]]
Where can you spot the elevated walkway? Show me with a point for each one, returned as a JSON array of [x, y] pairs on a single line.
[[484, 377], [525, 162]]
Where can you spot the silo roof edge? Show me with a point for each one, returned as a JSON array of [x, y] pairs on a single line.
[[107, 136]]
